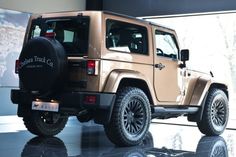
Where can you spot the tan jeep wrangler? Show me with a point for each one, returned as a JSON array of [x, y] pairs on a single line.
[[117, 70]]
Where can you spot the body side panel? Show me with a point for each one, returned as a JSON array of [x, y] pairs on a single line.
[[115, 77]]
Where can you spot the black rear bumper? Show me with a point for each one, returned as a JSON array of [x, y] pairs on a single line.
[[69, 103]]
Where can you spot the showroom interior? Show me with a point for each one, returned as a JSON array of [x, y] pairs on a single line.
[[206, 28]]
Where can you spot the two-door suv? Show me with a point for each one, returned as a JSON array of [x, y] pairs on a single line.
[[117, 70]]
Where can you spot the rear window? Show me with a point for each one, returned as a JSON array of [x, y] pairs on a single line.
[[126, 37], [72, 33]]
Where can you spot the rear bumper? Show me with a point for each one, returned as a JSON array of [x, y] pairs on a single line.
[[70, 102]]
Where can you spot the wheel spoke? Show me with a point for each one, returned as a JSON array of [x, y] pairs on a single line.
[[214, 120], [218, 112], [221, 116], [134, 116], [137, 107], [221, 119], [136, 127], [217, 121], [128, 127], [132, 105], [139, 120], [126, 111], [132, 128]]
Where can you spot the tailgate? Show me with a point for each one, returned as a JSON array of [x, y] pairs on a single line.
[[82, 76]]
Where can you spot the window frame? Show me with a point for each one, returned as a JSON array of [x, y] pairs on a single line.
[[41, 22], [172, 35], [136, 26]]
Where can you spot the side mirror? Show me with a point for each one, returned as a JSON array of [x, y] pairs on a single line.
[[184, 55]]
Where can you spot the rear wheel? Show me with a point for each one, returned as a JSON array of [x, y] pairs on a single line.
[[130, 118], [215, 114], [45, 123]]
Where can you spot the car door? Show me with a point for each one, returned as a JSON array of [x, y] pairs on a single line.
[[167, 79]]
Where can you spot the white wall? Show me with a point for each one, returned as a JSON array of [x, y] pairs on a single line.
[[42, 6]]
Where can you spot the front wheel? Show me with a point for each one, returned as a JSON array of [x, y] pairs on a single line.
[[130, 118], [215, 114], [45, 123]]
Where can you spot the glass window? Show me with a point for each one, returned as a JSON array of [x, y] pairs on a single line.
[[72, 33], [126, 37], [166, 45]]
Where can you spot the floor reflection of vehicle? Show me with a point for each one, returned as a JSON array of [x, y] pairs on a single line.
[[54, 147], [212, 147], [44, 147]]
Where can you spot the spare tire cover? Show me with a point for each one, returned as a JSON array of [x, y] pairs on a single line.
[[42, 65]]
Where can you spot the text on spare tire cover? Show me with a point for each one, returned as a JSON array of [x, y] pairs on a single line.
[[36, 59]]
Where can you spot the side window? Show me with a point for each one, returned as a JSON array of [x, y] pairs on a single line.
[[126, 37], [166, 45]]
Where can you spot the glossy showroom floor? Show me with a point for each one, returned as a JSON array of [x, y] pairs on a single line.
[[88, 139]]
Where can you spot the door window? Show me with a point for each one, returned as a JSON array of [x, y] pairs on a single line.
[[166, 45]]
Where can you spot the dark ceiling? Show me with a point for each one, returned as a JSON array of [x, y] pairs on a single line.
[[161, 7]]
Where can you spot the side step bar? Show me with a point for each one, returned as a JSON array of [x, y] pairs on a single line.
[[169, 112]]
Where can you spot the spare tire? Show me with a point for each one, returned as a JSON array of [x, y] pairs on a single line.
[[42, 65]]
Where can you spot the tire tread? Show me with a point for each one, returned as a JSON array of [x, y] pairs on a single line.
[[32, 124], [205, 125], [114, 128]]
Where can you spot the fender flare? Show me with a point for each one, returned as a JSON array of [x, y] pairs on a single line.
[[203, 85], [116, 76]]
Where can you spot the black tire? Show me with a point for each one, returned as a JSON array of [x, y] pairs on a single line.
[[215, 114], [45, 123], [130, 118], [43, 64]]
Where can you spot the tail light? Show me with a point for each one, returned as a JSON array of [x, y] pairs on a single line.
[[17, 66], [92, 67], [90, 99]]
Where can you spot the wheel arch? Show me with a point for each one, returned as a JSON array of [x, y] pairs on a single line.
[[202, 88], [221, 86], [139, 83], [208, 87], [121, 78]]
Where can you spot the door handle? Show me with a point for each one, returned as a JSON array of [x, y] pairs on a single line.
[[160, 66]]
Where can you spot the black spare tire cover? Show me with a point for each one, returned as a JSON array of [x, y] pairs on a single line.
[[42, 65]]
